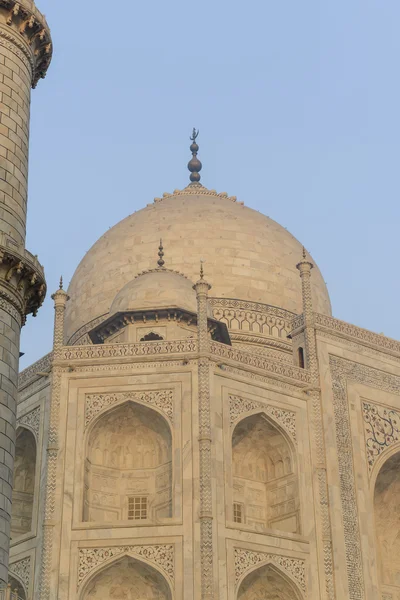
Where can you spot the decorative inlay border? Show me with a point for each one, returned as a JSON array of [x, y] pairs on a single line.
[[343, 371], [357, 333], [239, 406], [381, 428], [245, 560], [162, 399], [22, 570], [32, 419], [42, 365], [162, 555], [128, 350], [260, 362]]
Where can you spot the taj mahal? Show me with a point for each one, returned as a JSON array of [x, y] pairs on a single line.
[[202, 427]]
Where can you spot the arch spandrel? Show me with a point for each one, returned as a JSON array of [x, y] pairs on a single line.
[[126, 577]]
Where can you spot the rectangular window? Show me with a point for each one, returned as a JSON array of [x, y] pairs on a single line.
[[137, 508], [237, 512]]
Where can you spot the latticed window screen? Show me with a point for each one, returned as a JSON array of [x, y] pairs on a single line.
[[237, 512], [137, 507]]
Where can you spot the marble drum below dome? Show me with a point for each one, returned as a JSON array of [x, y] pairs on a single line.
[[249, 259]]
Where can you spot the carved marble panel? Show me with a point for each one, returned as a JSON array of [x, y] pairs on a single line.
[[21, 569], [161, 555], [162, 399], [32, 420], [381, 428], [240, 406], [246, 560]]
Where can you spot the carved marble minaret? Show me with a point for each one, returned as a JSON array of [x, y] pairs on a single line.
[[25, 54]]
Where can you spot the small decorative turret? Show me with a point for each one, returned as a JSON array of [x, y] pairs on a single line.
[[194, 165]]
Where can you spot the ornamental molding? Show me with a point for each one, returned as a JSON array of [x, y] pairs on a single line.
[[269, 381], [32, 420], [357, 334], [162, 555], [21, 276], [247, 560], [128, 350], [381, 429], [27, 29], [239, 406], [362, 349], [343, 371], [43, 365], [246, 343], [21, 569], [161, 399], [16, 46], [280, 369]]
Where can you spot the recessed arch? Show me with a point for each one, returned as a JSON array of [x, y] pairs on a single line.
[[24, 482], [265, 479], [17, 586], [268, 582], [128, 465], [387, 521], [126, 577]]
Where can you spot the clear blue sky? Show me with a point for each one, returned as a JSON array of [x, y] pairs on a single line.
[[298, 109]]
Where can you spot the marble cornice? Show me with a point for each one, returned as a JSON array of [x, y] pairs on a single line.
[[22, 282], [26, 28], [351, 333]]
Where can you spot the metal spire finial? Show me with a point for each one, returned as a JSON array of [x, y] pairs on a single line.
[[201, 269], [61, 283], [160, 261], [194, 165], [304, 253]]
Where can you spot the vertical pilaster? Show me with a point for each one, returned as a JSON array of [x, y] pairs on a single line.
[[324, 535], [206, 518], [25, 53], [60, 299]]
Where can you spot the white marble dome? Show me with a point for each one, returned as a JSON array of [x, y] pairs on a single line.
[[247, 255], [156, 289]]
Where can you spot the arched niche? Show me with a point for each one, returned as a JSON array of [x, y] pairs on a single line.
[[268, 583], [24, 482], [387, 524], [265, 482], [128, 468], [127, 578], [16, 586]]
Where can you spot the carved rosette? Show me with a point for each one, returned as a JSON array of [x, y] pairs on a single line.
[[247, 560], [381, 428], [23, 26], [23, 286], [161, 555], [161, 399], [239, 406]]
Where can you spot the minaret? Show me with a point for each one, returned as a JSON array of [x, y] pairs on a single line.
[[25, 54]]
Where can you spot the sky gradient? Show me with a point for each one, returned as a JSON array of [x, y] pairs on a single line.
[[298, 110]]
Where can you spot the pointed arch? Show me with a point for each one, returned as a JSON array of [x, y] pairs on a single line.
[[126, 575], [386, 501], [128, 465], [268, 582], [24, 482], [265, 479], [17, 586]]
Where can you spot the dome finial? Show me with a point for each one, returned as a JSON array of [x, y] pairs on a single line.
[[194, 165], [161, 261]]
